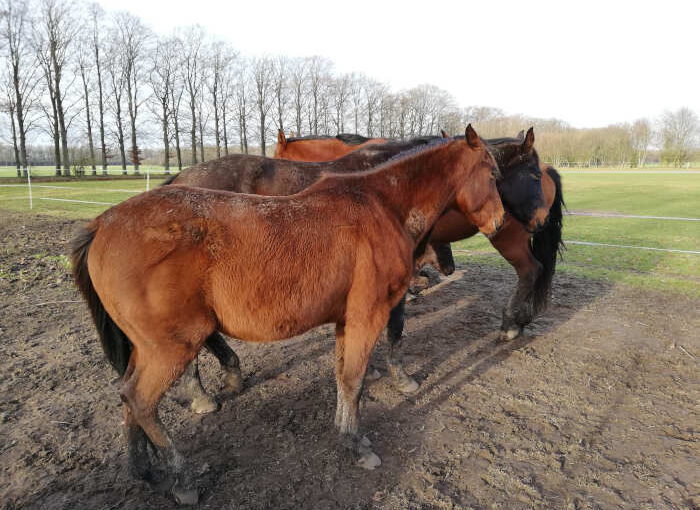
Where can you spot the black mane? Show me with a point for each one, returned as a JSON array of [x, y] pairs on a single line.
[[346, 138], [352, 139]]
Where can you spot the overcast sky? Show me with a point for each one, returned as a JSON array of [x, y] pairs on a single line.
[[590, 63]]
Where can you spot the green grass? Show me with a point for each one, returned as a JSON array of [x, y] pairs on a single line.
[[654, 194], [50, 171], [675, 195], [16, 198]]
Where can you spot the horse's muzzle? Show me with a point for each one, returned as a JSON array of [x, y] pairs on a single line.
[[497, 225]]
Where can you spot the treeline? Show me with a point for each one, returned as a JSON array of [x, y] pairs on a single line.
[[84, 88]]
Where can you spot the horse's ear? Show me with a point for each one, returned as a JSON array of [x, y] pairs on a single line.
[[291, 134], [472, 138], [444, 133], [521, 136], [528, 142], [281, 139]]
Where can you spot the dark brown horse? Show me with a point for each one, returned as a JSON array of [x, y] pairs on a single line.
[[164, 270], [530, 192], [320, 148]]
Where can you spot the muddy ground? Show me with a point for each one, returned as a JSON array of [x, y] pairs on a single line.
[[594, 407]]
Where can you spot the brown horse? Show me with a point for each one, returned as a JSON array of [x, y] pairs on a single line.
[[164, 270], [519, 187], [243, 173], [320, 148], [531, 249]]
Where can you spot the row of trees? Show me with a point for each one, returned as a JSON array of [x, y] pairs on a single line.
[[83, 87]]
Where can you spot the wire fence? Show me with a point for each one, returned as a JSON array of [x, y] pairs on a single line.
[[147, 186]]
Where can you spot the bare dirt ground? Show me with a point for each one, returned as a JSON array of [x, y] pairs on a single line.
[[594, 407]]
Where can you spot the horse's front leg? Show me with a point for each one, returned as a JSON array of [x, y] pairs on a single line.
[[191, 388], [513, 243], [191, 383], [354, 343]]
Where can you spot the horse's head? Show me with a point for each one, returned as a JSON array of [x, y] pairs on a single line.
[[520, 185], [281, 145], [476, 194]]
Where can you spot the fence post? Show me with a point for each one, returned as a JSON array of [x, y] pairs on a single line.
[[29, 185], [148, 178]]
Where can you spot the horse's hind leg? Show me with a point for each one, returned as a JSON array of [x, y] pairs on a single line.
[[153, 374], [404, 383], [191, 387], [233, 380], [139, 463]]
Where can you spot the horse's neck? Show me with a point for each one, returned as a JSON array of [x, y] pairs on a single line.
[[418, 190]]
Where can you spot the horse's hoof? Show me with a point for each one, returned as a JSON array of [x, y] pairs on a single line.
[[185, 496], [407, 385], [368, 459], [511, 333], [204, 404], [233, 382], [372, 375]]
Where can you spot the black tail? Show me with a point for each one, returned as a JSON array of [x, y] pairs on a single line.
[[116, 345], [169, 180], [546, 244]]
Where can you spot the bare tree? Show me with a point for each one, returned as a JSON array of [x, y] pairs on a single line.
[[117, 81], [221, 59], [356, 85], [8, 106], [96, 43], [23, 75], [373, 91], [242, 88], [133, 39], [85, 68], [280, 77], [641, 138], [340, 90], [262, 72], [162, 71], [318, 70], [679, 131], [176, 90], [297, 76], [55, 30], [192, 40]]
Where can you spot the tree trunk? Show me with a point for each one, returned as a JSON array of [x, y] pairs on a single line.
[[193, 131], [216, 124], [166, 139], [14, 142], [19, 113], [225, 132], [89, 122], [120, 137], [60, 112], [201, 138], [103, 148], [131, 103], [262, 134]]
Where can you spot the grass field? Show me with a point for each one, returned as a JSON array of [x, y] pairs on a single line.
[[652, 194]]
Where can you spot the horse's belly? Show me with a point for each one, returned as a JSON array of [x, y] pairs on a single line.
[[269, 324], [453, 226]]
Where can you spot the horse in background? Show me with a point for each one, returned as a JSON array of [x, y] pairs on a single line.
[[320, 148], [164, 270]]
